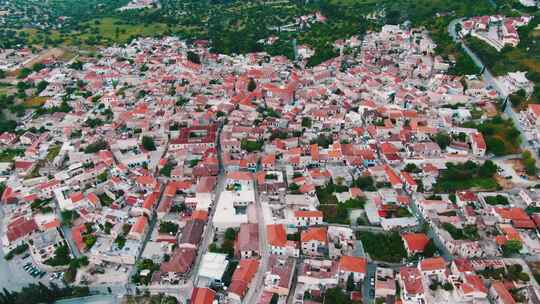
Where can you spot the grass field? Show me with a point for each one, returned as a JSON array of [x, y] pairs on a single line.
[[108, 29], [35, 102]]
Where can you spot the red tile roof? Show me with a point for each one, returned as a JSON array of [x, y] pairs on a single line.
[[412, 280], [416, 242], [504, 295], [432, 264], [202, 296], [314, 234], [352, 264], [308, 213], [243, 275], [277, 236], [20, 227]]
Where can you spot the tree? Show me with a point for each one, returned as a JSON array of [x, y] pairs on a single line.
[[430, 249], [148, 143], [511, 247], [23, 73], [2, 74], [230, 234], [442, 139], [448, 286], [306, 122], [96, 146], [529, 162], [274, 299], [252, 85], [42, 85], [168, 227], [193, 57], [350, 282]]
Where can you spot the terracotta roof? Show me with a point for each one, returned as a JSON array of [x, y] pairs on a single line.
[[412, 280], [512, 213], [202, 296], [416, 242], [20, 227], [140, 225], [244, 273], [352, 264], [180, 262], [240, 175], [432, 264], [504, 295], [314, 234], [277, 235], [308, 213]]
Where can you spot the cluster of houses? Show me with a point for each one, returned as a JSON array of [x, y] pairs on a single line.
[[168, 147], [497, 31]]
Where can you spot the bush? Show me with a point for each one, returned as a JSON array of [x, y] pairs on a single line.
[[148, 143], [168, 227], [383, 247], [96, 146]]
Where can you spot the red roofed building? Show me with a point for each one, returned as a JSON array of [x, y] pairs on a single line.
[[507, 215], [412, 288], [138, 230], [242, 277], [195, 137], [499, 294], [478, 144], [19, 229], [314, 241], [415, 242], [202, 296], [277, 238], [533, 112], [180, 263], [247, 241], [352, 265], [433, 266], [308, 218]]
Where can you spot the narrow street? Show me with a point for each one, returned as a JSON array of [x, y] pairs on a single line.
[[256, 289]]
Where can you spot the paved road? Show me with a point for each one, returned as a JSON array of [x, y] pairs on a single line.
[[208, 236], [366, 285], [256, 289], [491, 80]]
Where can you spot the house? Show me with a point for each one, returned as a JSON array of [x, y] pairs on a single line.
[[279, 276], [138, 230], [196, 137], [277, 239], [241, 279], [415, 242], [350, 265], [246, 244], [499, 294], [178, 265], [412, 287], [478, 144], [191, 234], [314, 241], [304, 218], [202, 296], [318, 274], [19, 229], [433, 267], [531, 197], [385, 282]]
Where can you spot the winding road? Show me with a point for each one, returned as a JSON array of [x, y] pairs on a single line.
[[491, 80]]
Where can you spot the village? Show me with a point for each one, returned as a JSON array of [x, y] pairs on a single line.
[[161, 167]]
